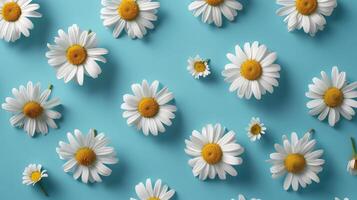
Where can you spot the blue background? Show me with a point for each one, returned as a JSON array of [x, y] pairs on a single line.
[[162, 55]]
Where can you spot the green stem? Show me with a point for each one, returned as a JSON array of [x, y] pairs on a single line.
[[354, 146], [311, 131], [50, 87], [42, 189]]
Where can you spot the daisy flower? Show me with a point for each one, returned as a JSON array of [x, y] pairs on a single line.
[[87, 155], [352, 164], [241, 197], [212, 10], [252, 70], [14, 18], [298, 160], [158, 192], [214, 152], [306, 14], [31, 109], [256, 129], [198, 67], [133, 16], [332, 97], [342, 199], [75, 54], [148, 109], [33, 174]]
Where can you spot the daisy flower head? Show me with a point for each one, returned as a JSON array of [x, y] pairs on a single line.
[[149, 109], [298, 160], [87, 155], [33, 175], [306, 14], [158, 192], [14, 18], [352, 164], [336, 198], [252, 70], [198, 67], [133, 16], [332, 97], [242, 197], [212, 10], [256, 129], [214, 152], [31, 109], [75, 53]]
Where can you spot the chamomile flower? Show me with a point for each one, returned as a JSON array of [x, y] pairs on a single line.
[[87, 155], [306, 14], [352, 164], [212, 10], [33, 174], [252, 71], [336, 198], [14, 18], [133, 16], [332, 97], [198, 67], [31, 109], [75, 54], [241, 197], [158, 192], [214, 152], [298, 160], [149, 109], [256, 129]]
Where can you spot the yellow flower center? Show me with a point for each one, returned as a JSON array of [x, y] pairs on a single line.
[[76, 54], [85, 156], [212, 153], [199, 66], [214, 2], [153, 198], [148, 107], [35, 176], [295, 163], [32, 109], [251, 70], [256, 129], [333, 97], [306, 7], [11, 11], [128, 10]]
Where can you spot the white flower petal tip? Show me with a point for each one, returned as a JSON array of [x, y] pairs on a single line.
[[33, 175], [198, 67], [252, 71], [256, 129], [211, 11], [135, 17], [332, 97], [87, 155], [214, 152], [149, 108], [149, 190], [336, 198], [76, 54], [32, 109], [242, 197]]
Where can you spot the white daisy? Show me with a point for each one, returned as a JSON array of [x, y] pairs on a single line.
[[148, 109], [198, 67], [256, 129], [352, 164], [252, 70], [33, 174], [158, 192], [212, 10], [342, 199], [214, 152], [241, 197], [14, 18], [31, 109], [87, 155], [133, 16], [75, 54], [298, 160], [332, 98], [306, 14]]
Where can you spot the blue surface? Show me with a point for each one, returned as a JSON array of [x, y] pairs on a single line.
[[162, 55]]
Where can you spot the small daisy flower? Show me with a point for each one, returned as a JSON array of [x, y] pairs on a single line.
[[352, 164], [256, 129], [14, 18], [214, 152], [31, 109], [158, 192], [241, 197], [33, 174], [332, 97], [149, 109], [198, 67], [133, 16], [212, 10], [252, 71], [87, 155], [342, 199], [75, 54]]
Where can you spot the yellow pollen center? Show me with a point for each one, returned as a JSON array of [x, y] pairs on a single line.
[[251, 70], [76, 54], [85, 156], [333, 97], [11, 12], [153, 198], [212, 153], [32, 109], [128, 10], [148, 107], [256, 129], [35, 176], [199, 66], [214, 2], [295, 163], [306, 7]]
